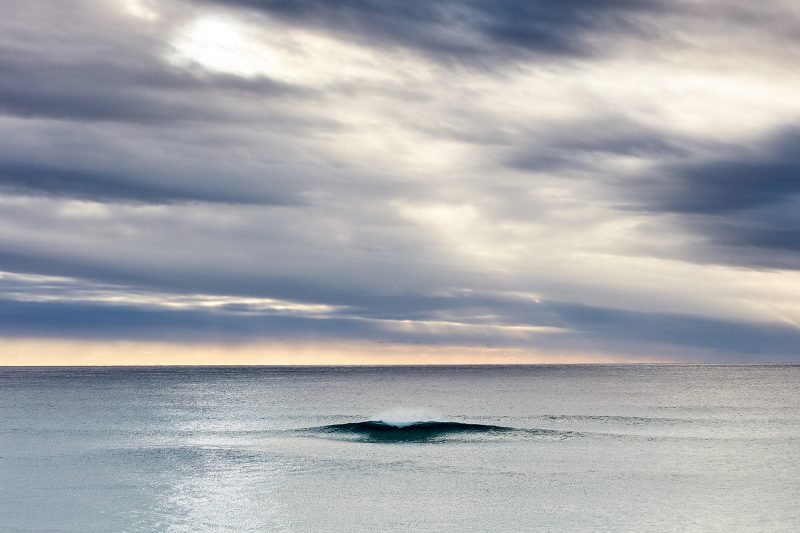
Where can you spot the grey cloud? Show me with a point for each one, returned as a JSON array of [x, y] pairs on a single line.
[[726, 186], [481, 317], [743, 202], [116, 322], [368, 294], [108, 68], [762, 237], [76, 93], [601, 329], [97, 185], [575, 145], [473, 31], [784, 238], [742, 177], [603, 325], [95, 112], [191, 182]]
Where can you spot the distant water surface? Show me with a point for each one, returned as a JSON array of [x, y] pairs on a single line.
[[570, 448]]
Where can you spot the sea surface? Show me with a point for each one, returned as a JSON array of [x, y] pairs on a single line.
[[502, 448]]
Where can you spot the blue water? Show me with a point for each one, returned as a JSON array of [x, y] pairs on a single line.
[[569, 448]]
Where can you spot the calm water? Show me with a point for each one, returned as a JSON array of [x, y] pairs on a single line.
[[638, 448]]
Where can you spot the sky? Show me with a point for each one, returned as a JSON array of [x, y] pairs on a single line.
[[399, 181]]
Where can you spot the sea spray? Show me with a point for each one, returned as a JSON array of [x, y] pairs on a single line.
[[406, 416]]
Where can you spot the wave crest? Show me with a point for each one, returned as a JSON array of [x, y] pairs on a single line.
[[421, 431]]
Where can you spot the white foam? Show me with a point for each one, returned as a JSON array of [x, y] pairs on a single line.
[[402, 417]]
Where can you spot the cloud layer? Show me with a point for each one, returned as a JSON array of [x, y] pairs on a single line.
[[618, 179]]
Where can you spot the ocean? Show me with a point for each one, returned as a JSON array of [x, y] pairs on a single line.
[[453, 448]]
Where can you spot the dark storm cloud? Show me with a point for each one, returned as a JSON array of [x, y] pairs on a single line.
[[465, 30]]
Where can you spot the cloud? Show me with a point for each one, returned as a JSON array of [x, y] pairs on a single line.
[[581, 146], [61, 307], [743, 201], [744, 177], [112, 185], [562, 176], [606, 326], [208, 320], [111, 67], [465, 31]]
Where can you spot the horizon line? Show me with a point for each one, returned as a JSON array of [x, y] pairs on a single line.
[[408, 365]]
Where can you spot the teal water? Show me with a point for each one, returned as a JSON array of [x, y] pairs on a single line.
[[567, 448]]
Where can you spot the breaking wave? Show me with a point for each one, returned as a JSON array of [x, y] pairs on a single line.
[[424, 431]]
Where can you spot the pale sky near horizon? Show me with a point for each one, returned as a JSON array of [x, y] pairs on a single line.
[[373, 181]]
